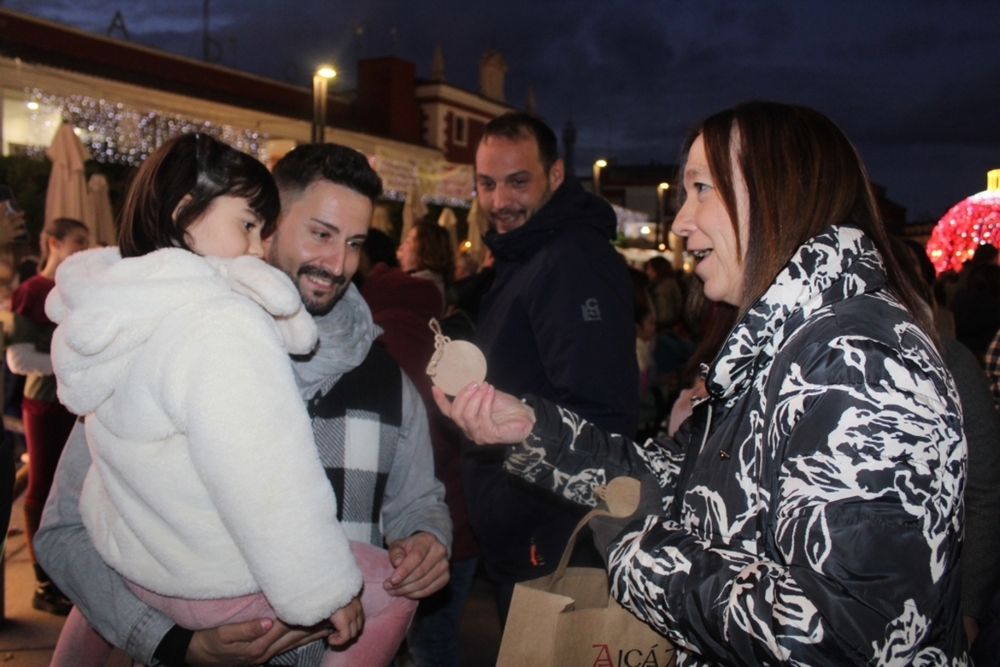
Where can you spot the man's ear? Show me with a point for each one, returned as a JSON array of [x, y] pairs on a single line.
[[557, 174]]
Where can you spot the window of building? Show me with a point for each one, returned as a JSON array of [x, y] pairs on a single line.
[[460, 134]]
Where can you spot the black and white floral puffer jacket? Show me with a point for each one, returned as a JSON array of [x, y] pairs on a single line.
[[813, 506]]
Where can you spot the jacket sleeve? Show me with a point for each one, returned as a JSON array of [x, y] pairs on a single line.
[[24, 359], [65, 551], [580, 308], [569, 456], [414, 498], [229, 387], [864, 518]]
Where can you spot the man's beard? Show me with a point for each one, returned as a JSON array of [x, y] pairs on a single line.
[[515, 211], [314, 307], [508, 213]]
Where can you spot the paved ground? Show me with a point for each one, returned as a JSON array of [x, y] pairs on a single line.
[[27, 637]]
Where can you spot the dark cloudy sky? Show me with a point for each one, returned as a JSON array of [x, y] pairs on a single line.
[[915, 83]]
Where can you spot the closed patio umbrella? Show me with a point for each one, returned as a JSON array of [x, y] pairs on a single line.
[[477, 227], [449, 221], [66, 196], [99, 211], [414, 210]]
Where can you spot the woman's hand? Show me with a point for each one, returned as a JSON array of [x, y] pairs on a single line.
[[488, 416], [347, 622], [682, 408]]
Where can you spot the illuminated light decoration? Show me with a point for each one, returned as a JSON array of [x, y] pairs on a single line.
[[645, 229], [965, 227], [120, 133], [400, 195]]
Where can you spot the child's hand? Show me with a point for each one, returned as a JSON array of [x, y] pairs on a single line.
[[347, 623]]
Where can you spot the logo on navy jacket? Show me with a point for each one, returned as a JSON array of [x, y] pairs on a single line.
[[591, 311]]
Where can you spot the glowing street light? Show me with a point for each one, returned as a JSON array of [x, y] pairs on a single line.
[[661, 210], [321, 79], [600, 164]]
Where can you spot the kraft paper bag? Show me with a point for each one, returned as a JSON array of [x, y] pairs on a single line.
[[569, 619]]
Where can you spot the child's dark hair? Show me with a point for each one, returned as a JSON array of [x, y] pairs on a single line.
[[195, 166]]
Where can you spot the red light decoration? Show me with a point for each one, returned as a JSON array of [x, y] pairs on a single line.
[[966, 226]]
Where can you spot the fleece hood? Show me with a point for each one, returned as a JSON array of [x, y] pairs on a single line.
[[106, 307], [569, 206]]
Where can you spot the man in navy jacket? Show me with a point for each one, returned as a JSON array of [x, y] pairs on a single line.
[[557, 323]]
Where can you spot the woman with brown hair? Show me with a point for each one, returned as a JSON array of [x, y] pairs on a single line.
[[46, 422], [809, 511], [426, 252]]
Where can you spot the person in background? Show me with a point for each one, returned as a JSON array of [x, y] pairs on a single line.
[[992, 364], [46, 422], [665, 292], [976, 301], [557, 322], [426, 253], [12, 330], [981, 425], [652, 402], [403, 306]]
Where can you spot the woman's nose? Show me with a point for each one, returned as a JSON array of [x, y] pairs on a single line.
[[683, 224]]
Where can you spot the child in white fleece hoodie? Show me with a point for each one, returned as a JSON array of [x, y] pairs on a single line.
[[206, 484]]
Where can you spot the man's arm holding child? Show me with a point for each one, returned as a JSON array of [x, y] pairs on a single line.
[[68, 556]]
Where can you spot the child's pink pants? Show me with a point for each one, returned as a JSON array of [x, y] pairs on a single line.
[[386, 619]]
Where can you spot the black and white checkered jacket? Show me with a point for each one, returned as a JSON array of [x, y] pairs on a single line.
[[371, 431]]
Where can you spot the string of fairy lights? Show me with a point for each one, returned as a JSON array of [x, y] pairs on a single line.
[[122, 133], [116, 132]]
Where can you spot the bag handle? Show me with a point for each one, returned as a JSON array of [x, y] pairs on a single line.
[[622, 497]]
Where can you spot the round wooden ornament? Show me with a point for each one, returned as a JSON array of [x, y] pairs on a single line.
[[622, 496], [455, 363]]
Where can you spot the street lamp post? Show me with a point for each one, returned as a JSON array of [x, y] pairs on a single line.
[[600, 164], [661, 209], [321, 80]]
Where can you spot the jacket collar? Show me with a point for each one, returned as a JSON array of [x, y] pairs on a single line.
[[838, 263], [570, 205]]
